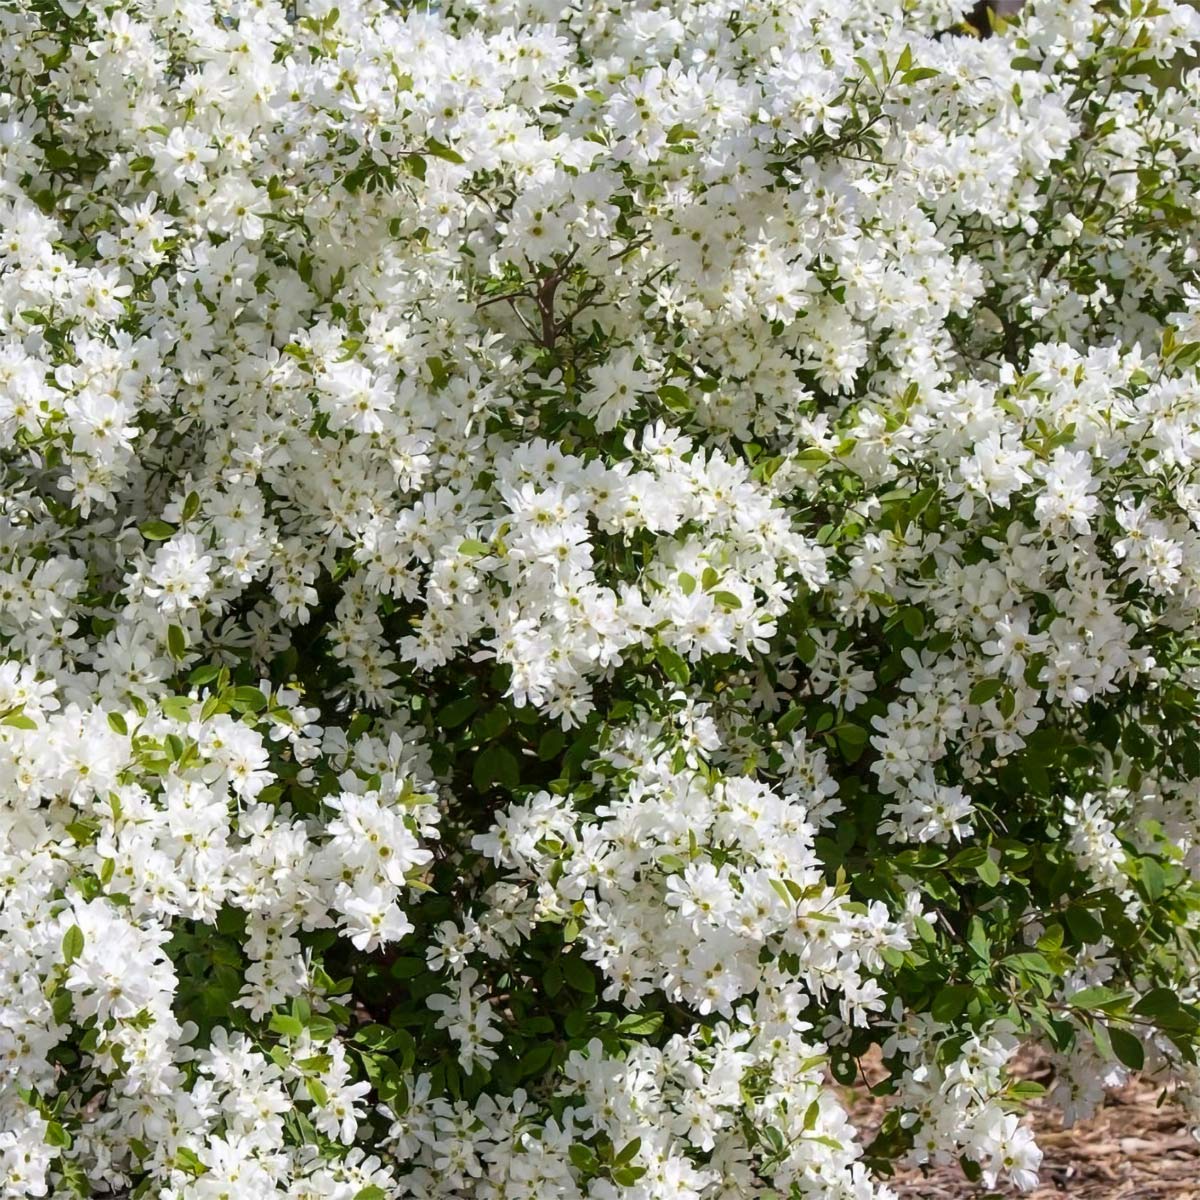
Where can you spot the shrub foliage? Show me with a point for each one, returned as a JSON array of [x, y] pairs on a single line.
[[569, 569]]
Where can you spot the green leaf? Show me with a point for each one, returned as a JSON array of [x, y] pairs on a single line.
[[628, 1152], [628, 1176], [727, 599], [72, 944], [1127, 1047], [1051, 940], [496, 766], [852, 740], [968, 858], [189, 1161], [536, 1058], [1028, 963], [1025, 1090], [988, 872], [581, 1156], [824, 1140], [84, 832], [984, 690], [442, 151], [286, 1025], [578, 975], [116, 723], [1154, 878], [673, 665], [867, 70], [457, 711], [57, 1136], [315, 1062], [493, 723], [925, 930], [156, 531], [1083, 926], [789, 720], [178, 708], [674, 397], [950, 1002], [176, 641], [1163, 1006], [550, 743], [978, 940], [644, 1024], [1098, 998], [1157, 1002], [247, 699]]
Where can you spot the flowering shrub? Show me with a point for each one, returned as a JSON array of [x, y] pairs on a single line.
[[569, 569]]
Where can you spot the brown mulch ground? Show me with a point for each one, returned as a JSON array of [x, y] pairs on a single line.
[[1133, 1149]]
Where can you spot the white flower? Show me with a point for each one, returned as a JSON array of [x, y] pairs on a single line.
[[551, 556], [180, 575]]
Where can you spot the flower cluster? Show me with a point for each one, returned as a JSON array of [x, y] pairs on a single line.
[[569, 570]]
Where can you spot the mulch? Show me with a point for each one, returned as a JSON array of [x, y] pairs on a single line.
[[1133, 1149]]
